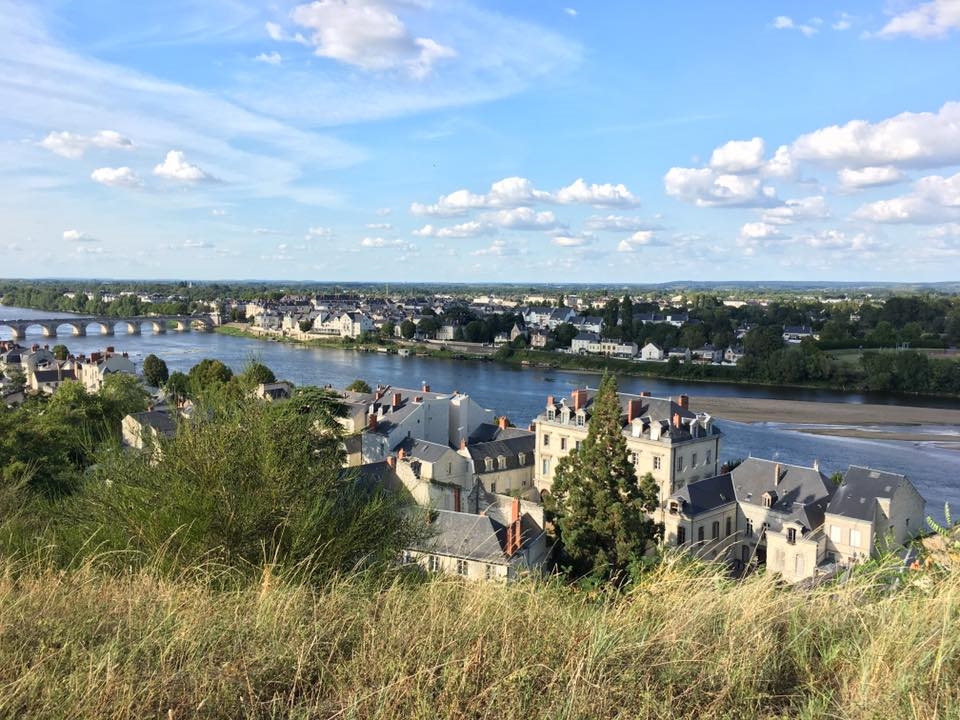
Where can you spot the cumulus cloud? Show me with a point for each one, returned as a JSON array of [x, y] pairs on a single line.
[[473, 228], [522, 218], [570, 11], [218, 212], [704, 187], [738, 156], [797, 210], [363, 33], [379, 226], [639, 239], [852, 179], [73, 146], [784, 22], [839, 240], [578, 240], [907, 140], [927, 20], [176, 167], [273, 58], [318, 231], [379, 242], [514, 192], [77, 236], [780, 165], [934, 199], [618, 223], [196, 244], [497, 248], [116, 177], [759, 231], [844, 23]]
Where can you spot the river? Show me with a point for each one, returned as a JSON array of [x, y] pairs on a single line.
[[520, 394]]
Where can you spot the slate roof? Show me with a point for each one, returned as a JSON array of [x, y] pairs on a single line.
[[487, 432], [510, 448], [707, 494], [801, 494], [462, 535], [45, 376], [857, 495], [422, 450]]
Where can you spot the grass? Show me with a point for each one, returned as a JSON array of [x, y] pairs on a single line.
[[851, 357], [685, 643]]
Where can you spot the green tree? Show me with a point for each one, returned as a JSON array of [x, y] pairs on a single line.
[[256, 373], [178, 385], [60, 351], [408, 329], [208, 375], [359, 385], [155, 370], [600, 510]]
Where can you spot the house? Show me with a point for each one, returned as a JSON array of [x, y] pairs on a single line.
[[539, 339], [665, 438], [651, 353], [792, 518], [707, 354], [870, 512], [447, 331], [503, 458], [493, 545], [93, 370], [793, 334], [733, 354], [583, 341], [47, 381], [144, 429], [273, 391]]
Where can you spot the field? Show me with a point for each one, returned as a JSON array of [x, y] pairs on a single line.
[[852, 356]]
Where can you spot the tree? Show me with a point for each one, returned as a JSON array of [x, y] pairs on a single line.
[[178, 385], [208, 375], [360, 386], [155, 370], [60, 352], [408, 329], [256, 373], [600, 510], [305, 325], [387, 330]]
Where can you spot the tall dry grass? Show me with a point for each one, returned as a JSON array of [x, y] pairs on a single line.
[[92, 642]]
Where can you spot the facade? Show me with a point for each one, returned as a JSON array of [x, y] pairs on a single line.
[[651, 353], [91, 372], [143, 429], [503, 458], [665, 438]]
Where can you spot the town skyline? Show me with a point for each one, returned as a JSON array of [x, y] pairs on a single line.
[[481, 143]]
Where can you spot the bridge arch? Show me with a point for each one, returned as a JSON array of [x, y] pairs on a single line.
[[105, 328], [77, 329]]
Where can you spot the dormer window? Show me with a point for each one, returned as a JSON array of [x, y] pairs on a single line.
[[522, 459], [501, 462], [551, 415], [581, 419], [768, 499], [792, 535], [488, 462]]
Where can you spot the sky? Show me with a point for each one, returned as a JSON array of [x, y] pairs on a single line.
[[457, 141]]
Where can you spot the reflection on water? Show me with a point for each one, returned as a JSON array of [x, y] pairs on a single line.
[[521, 394]]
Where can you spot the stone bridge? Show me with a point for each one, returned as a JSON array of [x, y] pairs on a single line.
[[78, 326]]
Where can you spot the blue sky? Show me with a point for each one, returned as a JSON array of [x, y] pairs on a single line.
[[432, 140]]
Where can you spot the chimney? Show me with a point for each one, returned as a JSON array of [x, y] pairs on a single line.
[[532, 427], [372, 422], [463, 443], [684, 402], [513, 529], [676, 420], [425, 388], [502, 422], [645, 393], [579, 399], [776, 474], [397, 399], [110, 348], [816, 465], [391, 462], [401, 454], [456, 498], [549, 401], [634, 408]]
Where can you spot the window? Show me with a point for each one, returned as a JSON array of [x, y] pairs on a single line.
[[681, 535], [450, 468], [679, 463], [488, 573], [522, 458], [836, 533], [488, 464], [493, 487], [708, 460], [546, 441], [580, 419], [700, 534], [749, 531], [792, 536], [545, 468], [461, 567], [715, 530], [693, 460], [767, 500], [563, 443], [501, 462], [407, 557], [798, 565], [855, 538], [576, 444], [727, 534], [634, 458], [433, 563], [551, 415], [656, 462]]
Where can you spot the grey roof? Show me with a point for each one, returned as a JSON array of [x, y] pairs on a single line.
[[462, 535], [857, 495], [159, 421], [45, 376], [508, 448], [585, 335], [422, 450], [487, 432], [801, 494], [375, 474], [707, 494]]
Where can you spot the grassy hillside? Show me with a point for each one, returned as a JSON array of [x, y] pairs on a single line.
[[92, 643]]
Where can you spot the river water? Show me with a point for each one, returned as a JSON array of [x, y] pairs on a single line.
[[521, 394]]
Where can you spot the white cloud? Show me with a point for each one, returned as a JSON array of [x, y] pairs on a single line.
[[364, 34], [927, 20], [934, 199], [273, 58], [738, 156], [513, 192], [908, 140], [497, 248], [473, 228], [869, 177], [379, 242], [73, 146], [318, 231], [780, 165], [522, 218], [639, 239], [797, 210], [218, 212], [570, 11], [176, 167], [706, 188], [384, 211], [618, 223], [759, 231], [579, 240], [379, 226], [844, 23], [841, 241], [88, 250], [76, 236], [116, 177], [192, 244], [784, 22]]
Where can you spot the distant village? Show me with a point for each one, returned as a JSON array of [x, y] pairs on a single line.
[[484, 480]]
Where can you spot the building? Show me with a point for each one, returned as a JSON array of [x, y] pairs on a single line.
[[273, 391], [503, 458], [795, 333], [144, 429], [651, 353], [92, 371], [792, 518], [664, 438]]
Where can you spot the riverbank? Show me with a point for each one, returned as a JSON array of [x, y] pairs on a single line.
[[844, 419]]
